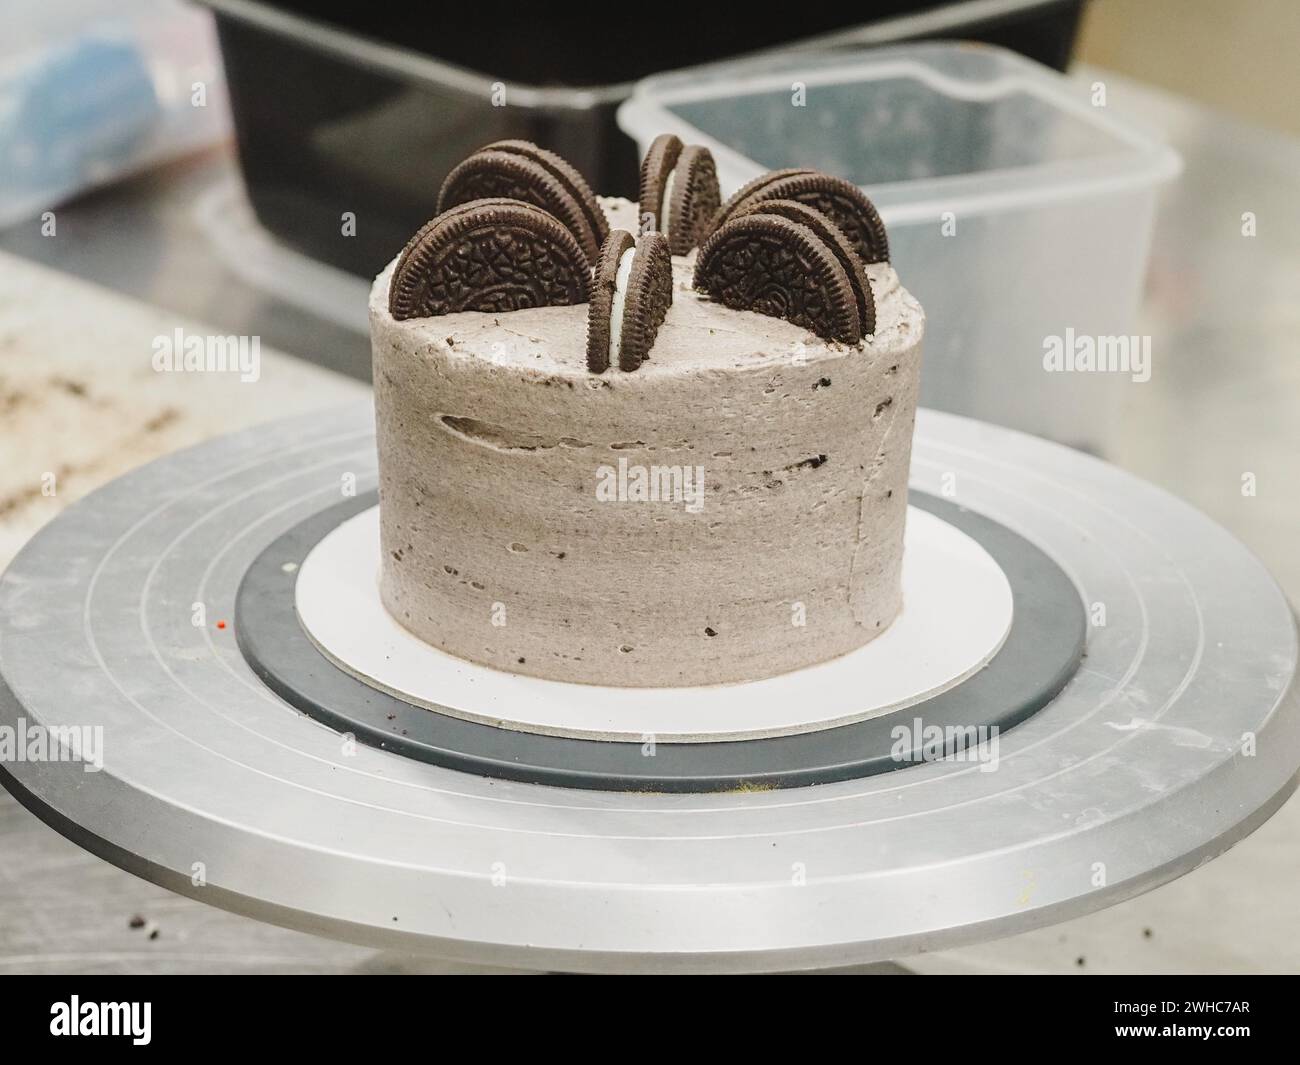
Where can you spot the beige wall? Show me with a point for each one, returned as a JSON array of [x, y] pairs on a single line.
[[1240, 56]]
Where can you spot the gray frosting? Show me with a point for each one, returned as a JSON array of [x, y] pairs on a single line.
[[513, 530]]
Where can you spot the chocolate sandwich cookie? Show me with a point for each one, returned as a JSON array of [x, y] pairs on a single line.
[[649, 295], [769, 264], [679, 192], [750, 191], [603, 283], [631, 294], [655, 168], [841, 201], [834, 238], [566, 174], [490, 255], [489, 174]]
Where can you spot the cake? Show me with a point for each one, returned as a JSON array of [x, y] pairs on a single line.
[[729, 508]]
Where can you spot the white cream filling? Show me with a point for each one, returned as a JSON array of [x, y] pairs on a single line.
[[618, 303], [665, 204]]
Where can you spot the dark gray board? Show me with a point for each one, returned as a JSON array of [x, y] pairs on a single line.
[[1040, 654]]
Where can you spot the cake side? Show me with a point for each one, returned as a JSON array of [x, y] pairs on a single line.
[[514, 532]]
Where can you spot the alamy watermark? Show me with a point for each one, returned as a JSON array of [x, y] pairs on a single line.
[[182, 352], [1082, 353], [632, 483], [26, 742], [919, 742], [132, 1020]]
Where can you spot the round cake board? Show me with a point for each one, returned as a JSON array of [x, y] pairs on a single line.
[[957, 612]]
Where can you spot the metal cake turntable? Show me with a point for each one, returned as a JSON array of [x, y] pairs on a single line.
[[271, 748]]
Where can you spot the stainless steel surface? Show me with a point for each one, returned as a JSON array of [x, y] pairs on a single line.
[[144, 238], [1133, 775]]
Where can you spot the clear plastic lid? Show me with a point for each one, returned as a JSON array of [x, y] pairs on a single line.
[[962, 127]]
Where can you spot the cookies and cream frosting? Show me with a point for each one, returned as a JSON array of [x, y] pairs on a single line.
[[732, 510]]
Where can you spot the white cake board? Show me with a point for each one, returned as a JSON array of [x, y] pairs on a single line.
[[957, 612]]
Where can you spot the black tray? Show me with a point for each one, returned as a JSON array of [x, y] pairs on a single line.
[[361, 119]]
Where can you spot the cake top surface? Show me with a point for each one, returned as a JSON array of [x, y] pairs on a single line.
[[698, 335]]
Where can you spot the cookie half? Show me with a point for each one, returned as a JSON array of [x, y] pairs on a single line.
[[679, 192], [489, 174], [649, 295], [566, 174], [631, 295], [655, 168], [769, 264], [691, 199], [841, 201], [603, 283], [834, 238], [750, 191], [491, 255]]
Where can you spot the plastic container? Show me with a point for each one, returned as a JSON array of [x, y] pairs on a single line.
[[93, 90], [1017, 209]]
